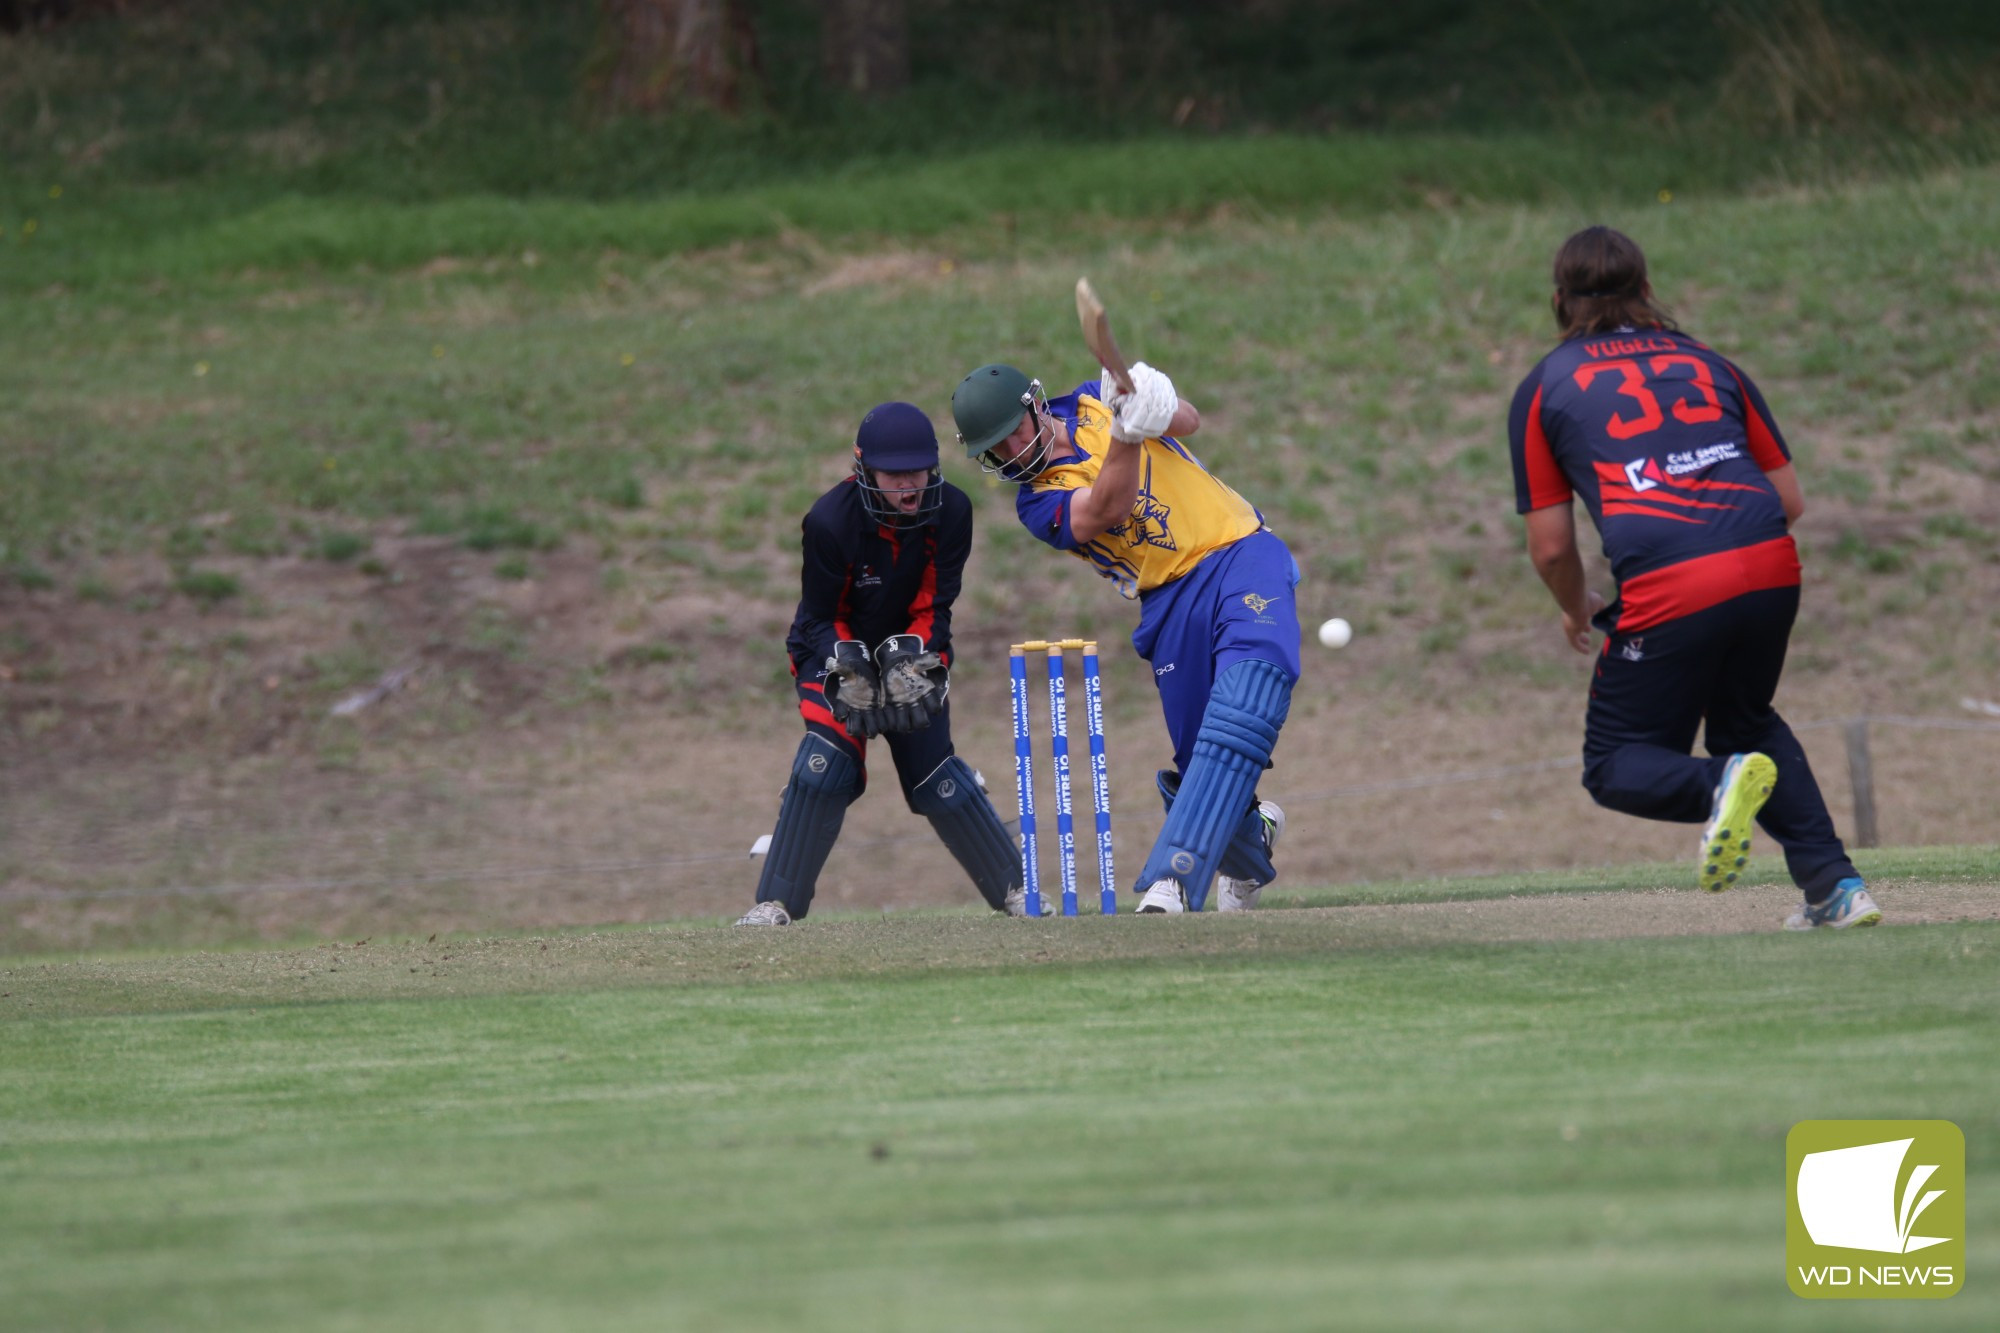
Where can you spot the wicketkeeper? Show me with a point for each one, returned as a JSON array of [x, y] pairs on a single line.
[[1106, 477], [885, 554]]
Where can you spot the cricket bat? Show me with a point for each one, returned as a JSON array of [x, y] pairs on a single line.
[[1097, 335]]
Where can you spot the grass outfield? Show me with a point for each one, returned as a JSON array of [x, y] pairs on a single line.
[[1289, 1120]]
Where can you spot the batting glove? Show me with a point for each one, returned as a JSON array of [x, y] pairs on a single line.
[[1147, 412]]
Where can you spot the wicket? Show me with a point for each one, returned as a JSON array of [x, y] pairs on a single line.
[[1024, 775]]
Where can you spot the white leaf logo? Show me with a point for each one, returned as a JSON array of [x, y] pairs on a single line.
[[1848, 1198]]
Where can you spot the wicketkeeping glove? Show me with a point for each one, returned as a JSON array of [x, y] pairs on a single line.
[[854, 690], [1148, 410], [915, 682]]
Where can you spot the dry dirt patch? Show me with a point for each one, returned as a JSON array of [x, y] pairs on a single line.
[[1658, 912]]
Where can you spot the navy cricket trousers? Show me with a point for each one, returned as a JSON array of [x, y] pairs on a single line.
[[1652, 690], [917, 753]]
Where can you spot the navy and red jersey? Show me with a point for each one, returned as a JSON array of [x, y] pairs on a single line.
[[1667, 443], [866, 580]]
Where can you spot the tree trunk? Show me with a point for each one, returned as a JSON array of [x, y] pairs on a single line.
[[671, 52], [866, 45]]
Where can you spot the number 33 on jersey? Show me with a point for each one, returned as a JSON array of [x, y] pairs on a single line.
[[1666, 441]]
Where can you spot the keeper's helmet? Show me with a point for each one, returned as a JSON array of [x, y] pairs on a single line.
[[897, 437], [988, 406]]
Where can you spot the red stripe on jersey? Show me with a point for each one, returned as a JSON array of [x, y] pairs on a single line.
[[842, 629], [1695, 585], [923, 617], [1656, 496], [1611, 510], [1546, 483], [1764, 445], [1695, 484]]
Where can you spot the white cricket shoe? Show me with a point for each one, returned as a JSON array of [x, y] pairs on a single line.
[[1240, 895], [1166, 895], [766, 914]]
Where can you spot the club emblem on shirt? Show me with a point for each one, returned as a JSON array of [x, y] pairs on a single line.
[[1148, 524], [1256, 603]]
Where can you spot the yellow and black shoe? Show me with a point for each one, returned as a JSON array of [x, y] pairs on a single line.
[[1747, 780]]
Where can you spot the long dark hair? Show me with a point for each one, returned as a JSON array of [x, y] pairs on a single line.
[[1601, 285]]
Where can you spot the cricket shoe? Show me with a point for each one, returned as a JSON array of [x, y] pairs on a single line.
[[1240, 895], [1017, 903], [766, 914], [1850, 905], [1166, 895], [1746, 784]]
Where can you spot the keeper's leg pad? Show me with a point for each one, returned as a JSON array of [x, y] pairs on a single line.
[[825, 780], [1231, 751], [965, 820], [1247, 856]]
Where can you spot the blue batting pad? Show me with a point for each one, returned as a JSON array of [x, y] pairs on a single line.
[[1231, 751], [1246, 856]]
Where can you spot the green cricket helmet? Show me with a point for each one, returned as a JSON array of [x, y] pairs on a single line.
[[988, 406]]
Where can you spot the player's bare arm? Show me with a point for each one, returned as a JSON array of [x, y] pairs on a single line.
[[1151, 410], [1552, 549], [1785, 480], [1101, 506]]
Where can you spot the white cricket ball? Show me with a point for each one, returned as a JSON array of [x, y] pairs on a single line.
[[1335, 633]]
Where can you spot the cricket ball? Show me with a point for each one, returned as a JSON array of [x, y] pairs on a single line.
[[1335, 633]]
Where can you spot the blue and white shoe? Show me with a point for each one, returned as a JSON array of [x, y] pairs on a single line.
[[1747, 780], [1240, 895], [1850, 905]]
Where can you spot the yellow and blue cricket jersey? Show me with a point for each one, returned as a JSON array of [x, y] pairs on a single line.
[[1182, 513]]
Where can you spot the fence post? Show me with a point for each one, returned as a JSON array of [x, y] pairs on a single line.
[[1861, 775]]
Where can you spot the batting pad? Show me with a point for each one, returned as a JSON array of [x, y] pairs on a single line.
[[1231, 751], [964, 819], [1246, 856], [825, 781]]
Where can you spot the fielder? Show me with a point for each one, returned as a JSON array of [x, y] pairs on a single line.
[[1692, 489], [1107, 478], [885, 554]]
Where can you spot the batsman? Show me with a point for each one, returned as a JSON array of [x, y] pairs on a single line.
[[1104, 473], [870, 645]]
